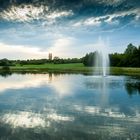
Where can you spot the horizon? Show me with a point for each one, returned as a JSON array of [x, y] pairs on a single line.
[[53, 57], [31, 29]]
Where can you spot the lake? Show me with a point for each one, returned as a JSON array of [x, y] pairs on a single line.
[[69, 107]]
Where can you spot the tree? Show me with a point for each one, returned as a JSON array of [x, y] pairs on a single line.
[[5, 62], [130, 49], [131, 56], [89, 59]]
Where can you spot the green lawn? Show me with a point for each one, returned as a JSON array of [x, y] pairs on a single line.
[[53, 66], [75, 67], [72, 68]]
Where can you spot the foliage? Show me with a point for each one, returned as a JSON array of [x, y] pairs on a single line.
[[130, 58], [88, 60], [56, 60], [5, 62]]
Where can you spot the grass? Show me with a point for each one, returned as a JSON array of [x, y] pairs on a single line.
[[124, 71], [68, 68], [72, 68]]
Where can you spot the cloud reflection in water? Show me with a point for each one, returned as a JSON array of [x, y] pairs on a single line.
[[75, 103], [61, 85], [32, 120]]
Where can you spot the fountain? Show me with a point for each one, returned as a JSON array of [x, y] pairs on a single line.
[[101, 58]]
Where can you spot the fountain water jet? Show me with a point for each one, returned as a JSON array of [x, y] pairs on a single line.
[[102, 58]]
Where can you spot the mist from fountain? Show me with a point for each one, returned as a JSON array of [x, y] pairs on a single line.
[[102, 58]]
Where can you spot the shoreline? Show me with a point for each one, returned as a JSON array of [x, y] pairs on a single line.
[[77, 68]]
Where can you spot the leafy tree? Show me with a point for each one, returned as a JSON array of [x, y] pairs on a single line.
[[130, 54], [5, 62], [89, 59], [130, 49]]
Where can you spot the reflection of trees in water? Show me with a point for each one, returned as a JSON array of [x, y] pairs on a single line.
[[5, 74], [132, 88], [5, 71]]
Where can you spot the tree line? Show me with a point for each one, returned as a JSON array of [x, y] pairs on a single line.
[[56, 60], [129, 58]]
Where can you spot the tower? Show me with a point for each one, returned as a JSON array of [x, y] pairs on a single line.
[[50, 56]]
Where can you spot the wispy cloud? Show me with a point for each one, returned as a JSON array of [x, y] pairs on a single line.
[[32, 29], [109, 18], [28, 13], [88, 22], [111, 2]]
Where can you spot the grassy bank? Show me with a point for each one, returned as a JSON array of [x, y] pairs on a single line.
[[71, 68], [64, 68]]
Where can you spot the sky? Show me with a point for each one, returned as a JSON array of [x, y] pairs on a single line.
[[30, 29]]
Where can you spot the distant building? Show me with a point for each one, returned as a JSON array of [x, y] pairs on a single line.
[[50, 56]]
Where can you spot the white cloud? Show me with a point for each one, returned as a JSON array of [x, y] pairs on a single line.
[[27, 13], [21, 52], [122, 14], [22, 13], [110, 18], [92, 21], [57, 14], [63, 47], [67, 47], [88, 22]]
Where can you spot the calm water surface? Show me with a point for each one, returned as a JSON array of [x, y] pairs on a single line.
[[69, 107]]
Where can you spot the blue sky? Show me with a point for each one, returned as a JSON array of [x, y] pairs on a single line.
[[67, 28]]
